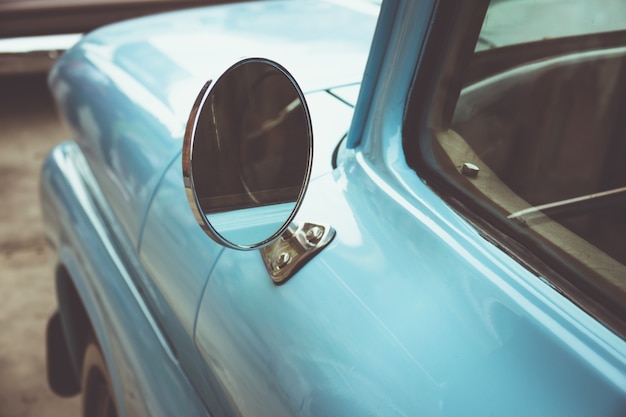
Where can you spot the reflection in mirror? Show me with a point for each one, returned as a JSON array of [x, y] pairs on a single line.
[[250, 151]]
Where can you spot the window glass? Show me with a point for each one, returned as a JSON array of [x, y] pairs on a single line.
[[510, 22], [537, 139]]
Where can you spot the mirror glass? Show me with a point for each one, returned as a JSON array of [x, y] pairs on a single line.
[[247, 154]]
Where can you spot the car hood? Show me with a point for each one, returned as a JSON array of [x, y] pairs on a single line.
[[172, 55], [127, 89]]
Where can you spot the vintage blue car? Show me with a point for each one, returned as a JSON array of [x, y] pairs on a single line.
[[341, 208]]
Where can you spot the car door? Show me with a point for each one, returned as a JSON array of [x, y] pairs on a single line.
[[253, 335], [178, 258]]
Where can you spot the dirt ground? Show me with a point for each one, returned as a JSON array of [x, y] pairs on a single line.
[[29, 128]]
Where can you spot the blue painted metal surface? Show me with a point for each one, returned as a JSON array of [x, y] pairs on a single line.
[[92, 248], [409, 311], [362, 329], [127, 89]]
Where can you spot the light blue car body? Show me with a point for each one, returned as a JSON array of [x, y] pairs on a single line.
[[409, 311]]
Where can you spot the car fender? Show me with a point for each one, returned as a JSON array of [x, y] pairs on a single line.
[[131, 342]]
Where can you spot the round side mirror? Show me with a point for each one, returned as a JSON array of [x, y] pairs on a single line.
[[247, 154]]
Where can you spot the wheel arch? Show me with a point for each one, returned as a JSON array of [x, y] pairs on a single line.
[[70, 329], [68, 333]]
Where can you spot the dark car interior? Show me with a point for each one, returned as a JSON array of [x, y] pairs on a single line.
[[549, 138], [544, 155]]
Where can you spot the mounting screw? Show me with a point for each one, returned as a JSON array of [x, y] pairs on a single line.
[[282, 261], [470, 170], [314, 234]]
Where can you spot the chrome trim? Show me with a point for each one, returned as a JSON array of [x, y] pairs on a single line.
[[187, 159], [295, 247], [188, 142]]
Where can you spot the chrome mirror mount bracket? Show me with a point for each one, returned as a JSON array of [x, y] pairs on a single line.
[[298, 244]]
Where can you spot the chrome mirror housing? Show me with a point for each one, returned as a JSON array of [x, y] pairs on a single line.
[[247, 154]]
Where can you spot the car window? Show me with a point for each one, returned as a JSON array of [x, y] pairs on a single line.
[[537, 138], [510, 22]]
